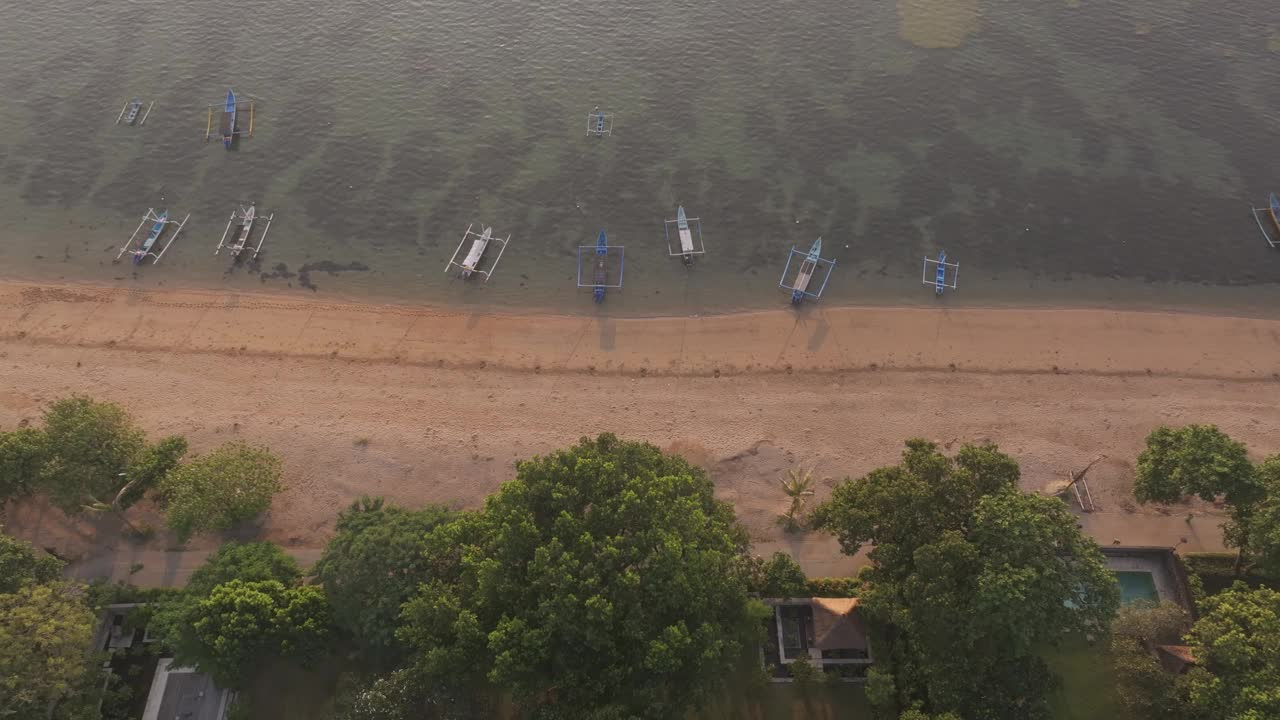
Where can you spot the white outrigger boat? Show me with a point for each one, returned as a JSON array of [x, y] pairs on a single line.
[[470, 264], [684, 231], [247, 219]]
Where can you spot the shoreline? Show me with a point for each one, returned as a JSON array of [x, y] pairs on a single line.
[[811, 339]]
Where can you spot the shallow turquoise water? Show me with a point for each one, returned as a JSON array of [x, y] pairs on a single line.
[[1082, 152], [1136, 587]]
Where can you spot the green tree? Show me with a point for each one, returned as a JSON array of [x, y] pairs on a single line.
[[89, 448], [250, 562], [45, 630], [216, 491], [970, 579], [1236, 643], [247, 562], [20, 566], [240, 625], [372, 566], [1145, 689], [798, 486], [781, 577], [605, 581], [1204, 461], [407, 694], [1262, 527], [22, 454], [1194, 460]]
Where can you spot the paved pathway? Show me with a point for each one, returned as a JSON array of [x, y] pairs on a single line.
[[157, 568], [819, 555]]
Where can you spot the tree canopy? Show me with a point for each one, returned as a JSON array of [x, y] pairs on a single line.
[[970, 579], [372, 566], [85, 454], [45, 630], [1236, 643], [217, 490], [20, 565], [21, 457], [1194, 460], [1262, 532], [250, 562], [239, 625], [780, 577], [89, 446], [604, 581], [1145, 689]]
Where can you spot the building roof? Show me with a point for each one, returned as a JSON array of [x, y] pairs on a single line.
[[837, 624], [1175, 658], [182, 693]]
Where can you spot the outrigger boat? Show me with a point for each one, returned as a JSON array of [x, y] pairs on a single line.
[[939, 281], [246, 218], [599, 282], [598, 123], [475, 255], [129, 113], [810, 264], [146, 244], [684, 231], [228, 130], [229, 120], [1271, 214], [135, 105]]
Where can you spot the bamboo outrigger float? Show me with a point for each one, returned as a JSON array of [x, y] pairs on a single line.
[[598, 123], [810, 265], [228, 129], [246, 219], [129, 113], [1269, 215], [600, 266], [145, 244], [939, 280], [475, 255], [689, 245]]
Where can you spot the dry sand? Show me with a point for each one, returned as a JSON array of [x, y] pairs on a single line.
[[423, 405]]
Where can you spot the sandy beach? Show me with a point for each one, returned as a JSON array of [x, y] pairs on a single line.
[[429, 405]]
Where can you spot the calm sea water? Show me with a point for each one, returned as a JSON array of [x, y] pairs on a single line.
[[1086, 151]]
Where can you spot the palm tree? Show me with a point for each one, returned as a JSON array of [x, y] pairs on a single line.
[[797, 486]]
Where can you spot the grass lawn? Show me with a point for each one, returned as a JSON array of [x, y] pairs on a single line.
[[1088, 690]]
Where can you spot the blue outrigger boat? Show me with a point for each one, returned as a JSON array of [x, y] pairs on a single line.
[[599, 282], [144, 247], [1272, 213], [229, 119], [599, 123], [602, 272], [810, 263], [939, 279], [146, 244], [232, 109]]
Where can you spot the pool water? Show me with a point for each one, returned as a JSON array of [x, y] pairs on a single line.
[[1136, 586]]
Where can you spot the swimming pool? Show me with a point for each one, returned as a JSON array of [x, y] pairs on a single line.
[[1136, 586]]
